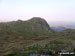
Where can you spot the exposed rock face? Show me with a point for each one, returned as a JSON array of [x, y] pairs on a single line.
[[39, 25]]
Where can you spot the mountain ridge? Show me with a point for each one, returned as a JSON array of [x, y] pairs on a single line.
[[25, 36]]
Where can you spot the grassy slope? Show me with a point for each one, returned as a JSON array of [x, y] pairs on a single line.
[[19, 36]]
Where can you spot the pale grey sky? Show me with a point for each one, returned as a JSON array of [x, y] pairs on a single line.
[[51, 10]]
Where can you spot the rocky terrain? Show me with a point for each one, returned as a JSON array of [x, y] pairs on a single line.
[[34, 35]]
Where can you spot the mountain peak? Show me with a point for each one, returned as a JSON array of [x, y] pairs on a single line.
[[39, 24], [36, 19]]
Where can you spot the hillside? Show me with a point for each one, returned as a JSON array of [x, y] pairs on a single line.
[[34, 26], [15, 33], [33, 36]]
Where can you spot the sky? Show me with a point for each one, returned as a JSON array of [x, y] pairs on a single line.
[[50, 10]]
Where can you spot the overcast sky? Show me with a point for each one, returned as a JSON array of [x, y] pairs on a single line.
[[51, 10]]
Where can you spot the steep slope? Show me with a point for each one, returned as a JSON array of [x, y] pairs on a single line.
[[39, 25], [17, 35], [34, 26], [33, 36]]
